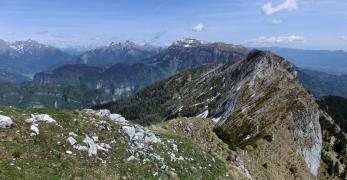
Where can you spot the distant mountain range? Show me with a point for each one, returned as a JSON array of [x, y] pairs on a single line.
[[117, 53], [323, 84], [62, 86], [332, 62], [26, 58], [117, 71], [336, 107]]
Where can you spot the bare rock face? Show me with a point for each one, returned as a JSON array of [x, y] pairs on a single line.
[[259, 108], [274, 120]]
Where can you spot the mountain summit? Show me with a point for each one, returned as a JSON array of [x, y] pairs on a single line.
[[259, 109]]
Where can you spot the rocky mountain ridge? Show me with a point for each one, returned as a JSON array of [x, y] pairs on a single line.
[[323, 84], [257, 104], [244, 119]]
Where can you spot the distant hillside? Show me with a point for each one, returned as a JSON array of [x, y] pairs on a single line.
[[29, 57], [323, 84], [336, 107], [333, 62], [10, 77]]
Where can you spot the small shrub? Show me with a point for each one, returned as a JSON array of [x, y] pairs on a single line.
[[268, 138], [17, 153], [265, 165], [293, 170]]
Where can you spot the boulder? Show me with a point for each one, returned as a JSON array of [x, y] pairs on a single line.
[[5, 122]]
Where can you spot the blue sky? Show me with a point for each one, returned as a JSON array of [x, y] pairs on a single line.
[[309, 24]]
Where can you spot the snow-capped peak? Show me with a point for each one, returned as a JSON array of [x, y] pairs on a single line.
[[189, 42]]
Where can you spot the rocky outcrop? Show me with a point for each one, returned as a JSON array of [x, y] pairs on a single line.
[[259, 107]]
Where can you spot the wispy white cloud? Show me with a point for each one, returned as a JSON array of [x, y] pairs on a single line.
[[276, 39], [199, 28], [158, 35], [277, 21], [42, 32], [343, 38], [287, 5]]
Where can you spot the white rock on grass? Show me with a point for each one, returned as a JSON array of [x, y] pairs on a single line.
[[40, 117], [103, 147], [103, 126], [130, 131], [71, 140], [131, 158], [73, 134], [37, 118], [152, 138], [102, 113], [34, 129], [5, 122], [95, 138], [140, 134], [118, 118], [80, 147], [174, 146], [68, 152], [105, 113], [140, 140], [92, 148]]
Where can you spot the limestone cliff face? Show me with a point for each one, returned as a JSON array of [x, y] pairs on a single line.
[[287, 147], [273, 119], [259, 109]]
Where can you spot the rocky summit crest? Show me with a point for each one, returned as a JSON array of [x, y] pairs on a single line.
[[258, 106]]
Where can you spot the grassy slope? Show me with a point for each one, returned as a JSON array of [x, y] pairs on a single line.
[[43, 157]]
